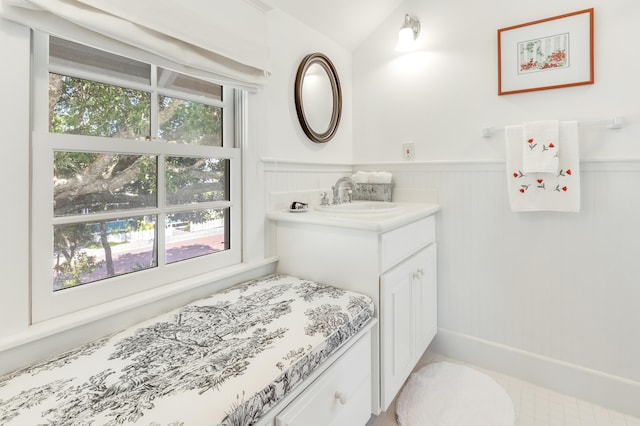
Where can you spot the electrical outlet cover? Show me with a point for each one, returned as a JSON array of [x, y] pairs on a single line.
[[408, 151]]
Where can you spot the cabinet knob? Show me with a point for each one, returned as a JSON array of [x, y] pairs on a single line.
[[342, 397]]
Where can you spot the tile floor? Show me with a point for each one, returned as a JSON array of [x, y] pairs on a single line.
[[534, 405]]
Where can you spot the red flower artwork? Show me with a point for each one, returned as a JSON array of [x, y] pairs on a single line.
[[529, 65]]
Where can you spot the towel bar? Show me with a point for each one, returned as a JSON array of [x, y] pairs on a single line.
[[613, 123]]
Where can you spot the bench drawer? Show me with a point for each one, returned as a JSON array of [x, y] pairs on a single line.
[[340, 396]]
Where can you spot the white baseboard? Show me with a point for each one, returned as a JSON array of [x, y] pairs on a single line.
[[616, 393]]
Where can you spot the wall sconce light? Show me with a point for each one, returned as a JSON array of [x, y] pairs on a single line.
[[408, 33]]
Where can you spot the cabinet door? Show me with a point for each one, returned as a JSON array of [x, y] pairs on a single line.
[[397, 334], [425, 298]]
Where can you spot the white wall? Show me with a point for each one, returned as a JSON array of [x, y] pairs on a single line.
[[14, 178], [290, 42], [292, 162], [549, 297], [443, 94]]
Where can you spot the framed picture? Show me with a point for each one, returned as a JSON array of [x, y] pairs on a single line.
[[546, 54]]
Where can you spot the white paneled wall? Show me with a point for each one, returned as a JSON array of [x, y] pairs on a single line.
[[560, 285], [288, 176], [548, 297]]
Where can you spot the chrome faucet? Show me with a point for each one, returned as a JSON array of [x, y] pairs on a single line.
[[336, 189]]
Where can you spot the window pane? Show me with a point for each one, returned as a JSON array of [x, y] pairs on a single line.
[[183, 83], [85, 107], [189, 122], [196, 233], [196, 179], [81, 57], [85, 183], [92, 251]]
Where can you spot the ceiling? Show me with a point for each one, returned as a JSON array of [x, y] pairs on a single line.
[[347, 22]]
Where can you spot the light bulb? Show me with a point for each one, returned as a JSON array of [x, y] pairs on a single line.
[[405, 40]]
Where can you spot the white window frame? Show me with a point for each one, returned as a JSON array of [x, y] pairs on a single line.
[[47, 304]]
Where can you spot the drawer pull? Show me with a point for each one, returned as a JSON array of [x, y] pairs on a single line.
[[342, 397]]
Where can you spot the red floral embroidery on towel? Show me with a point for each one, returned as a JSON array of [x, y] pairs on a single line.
[[523, 188], [551, 145], [555, 184], [530, 141]]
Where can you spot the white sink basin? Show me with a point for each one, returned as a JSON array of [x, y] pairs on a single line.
[[360, 207]]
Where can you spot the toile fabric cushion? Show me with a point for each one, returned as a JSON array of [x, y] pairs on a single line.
[[223, 360]]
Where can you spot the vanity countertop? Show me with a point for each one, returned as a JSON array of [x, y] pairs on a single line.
[[380, 222]]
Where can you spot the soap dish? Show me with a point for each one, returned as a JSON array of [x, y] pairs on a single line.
[[298, 207]]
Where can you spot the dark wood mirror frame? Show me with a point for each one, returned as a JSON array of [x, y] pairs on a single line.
[[319, 136]]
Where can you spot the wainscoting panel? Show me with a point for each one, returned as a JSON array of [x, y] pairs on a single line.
[[562, 288], [559, 286], [290, 176]]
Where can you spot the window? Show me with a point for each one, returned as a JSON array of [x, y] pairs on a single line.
[[136, 177]]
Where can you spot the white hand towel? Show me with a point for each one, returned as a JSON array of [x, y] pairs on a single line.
[[360, 177], [380, 177], [559, 191], [541, 142]]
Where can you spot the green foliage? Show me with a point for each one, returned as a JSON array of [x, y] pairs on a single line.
[[93, 182], [68, 242], [68, 239], [79, 265], [190, 122], [66, 165], [85, 107], [142, 225], [195, 179], [88, 182]]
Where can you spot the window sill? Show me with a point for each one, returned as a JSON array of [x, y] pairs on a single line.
[[140, 306]]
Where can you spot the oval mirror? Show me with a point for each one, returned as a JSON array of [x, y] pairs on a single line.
[[318, 97]]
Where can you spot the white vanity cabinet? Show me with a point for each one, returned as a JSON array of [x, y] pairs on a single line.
[[408, 315], [392, 259]]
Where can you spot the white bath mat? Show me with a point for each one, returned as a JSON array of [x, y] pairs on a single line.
[[448, 394]]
